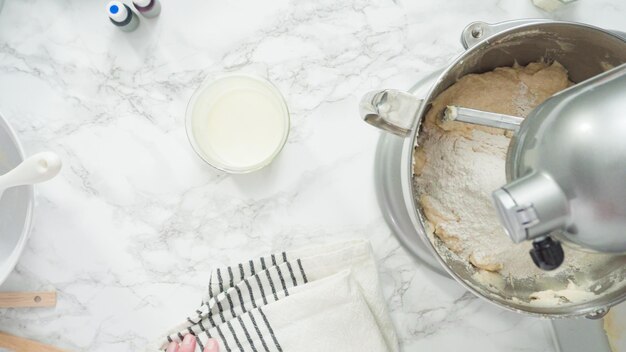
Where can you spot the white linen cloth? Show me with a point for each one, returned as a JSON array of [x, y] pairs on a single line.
[[312, 299]]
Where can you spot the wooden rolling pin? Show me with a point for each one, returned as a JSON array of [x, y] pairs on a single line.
[[19, 344], [27, 299]]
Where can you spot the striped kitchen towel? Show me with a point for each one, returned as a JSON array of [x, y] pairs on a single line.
[[299, 300]]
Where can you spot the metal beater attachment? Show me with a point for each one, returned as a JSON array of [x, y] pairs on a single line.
[[484, 118]]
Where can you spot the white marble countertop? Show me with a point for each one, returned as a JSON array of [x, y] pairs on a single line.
[[129, 230]]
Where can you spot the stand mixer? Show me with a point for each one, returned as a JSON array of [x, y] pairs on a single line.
[[566, 169], [588, 54]]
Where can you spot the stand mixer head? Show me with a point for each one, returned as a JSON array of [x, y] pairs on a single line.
[[566, 169]]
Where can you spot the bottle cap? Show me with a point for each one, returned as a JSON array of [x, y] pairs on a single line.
[[117, 11], [142, 3]]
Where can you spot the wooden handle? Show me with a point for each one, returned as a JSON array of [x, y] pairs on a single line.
[[19, 344], [27, 299]]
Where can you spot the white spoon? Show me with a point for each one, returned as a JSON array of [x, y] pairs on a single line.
[[34, 169]]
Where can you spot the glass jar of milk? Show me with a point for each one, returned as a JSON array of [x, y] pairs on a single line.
[[237, 123]]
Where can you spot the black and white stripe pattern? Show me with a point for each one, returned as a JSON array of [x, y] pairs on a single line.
[[232, 310], [248, 332]]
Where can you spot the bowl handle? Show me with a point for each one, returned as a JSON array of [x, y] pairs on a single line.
[[390, 110], [476, 32]]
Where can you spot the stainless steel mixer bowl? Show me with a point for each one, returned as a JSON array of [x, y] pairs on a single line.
[[584, 51]]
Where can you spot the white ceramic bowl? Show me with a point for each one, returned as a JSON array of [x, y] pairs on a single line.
[[16, 204]]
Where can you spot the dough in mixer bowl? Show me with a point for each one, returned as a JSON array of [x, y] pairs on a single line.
[[458, 165]]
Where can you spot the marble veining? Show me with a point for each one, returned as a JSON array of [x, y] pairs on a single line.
[[128, 232]]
